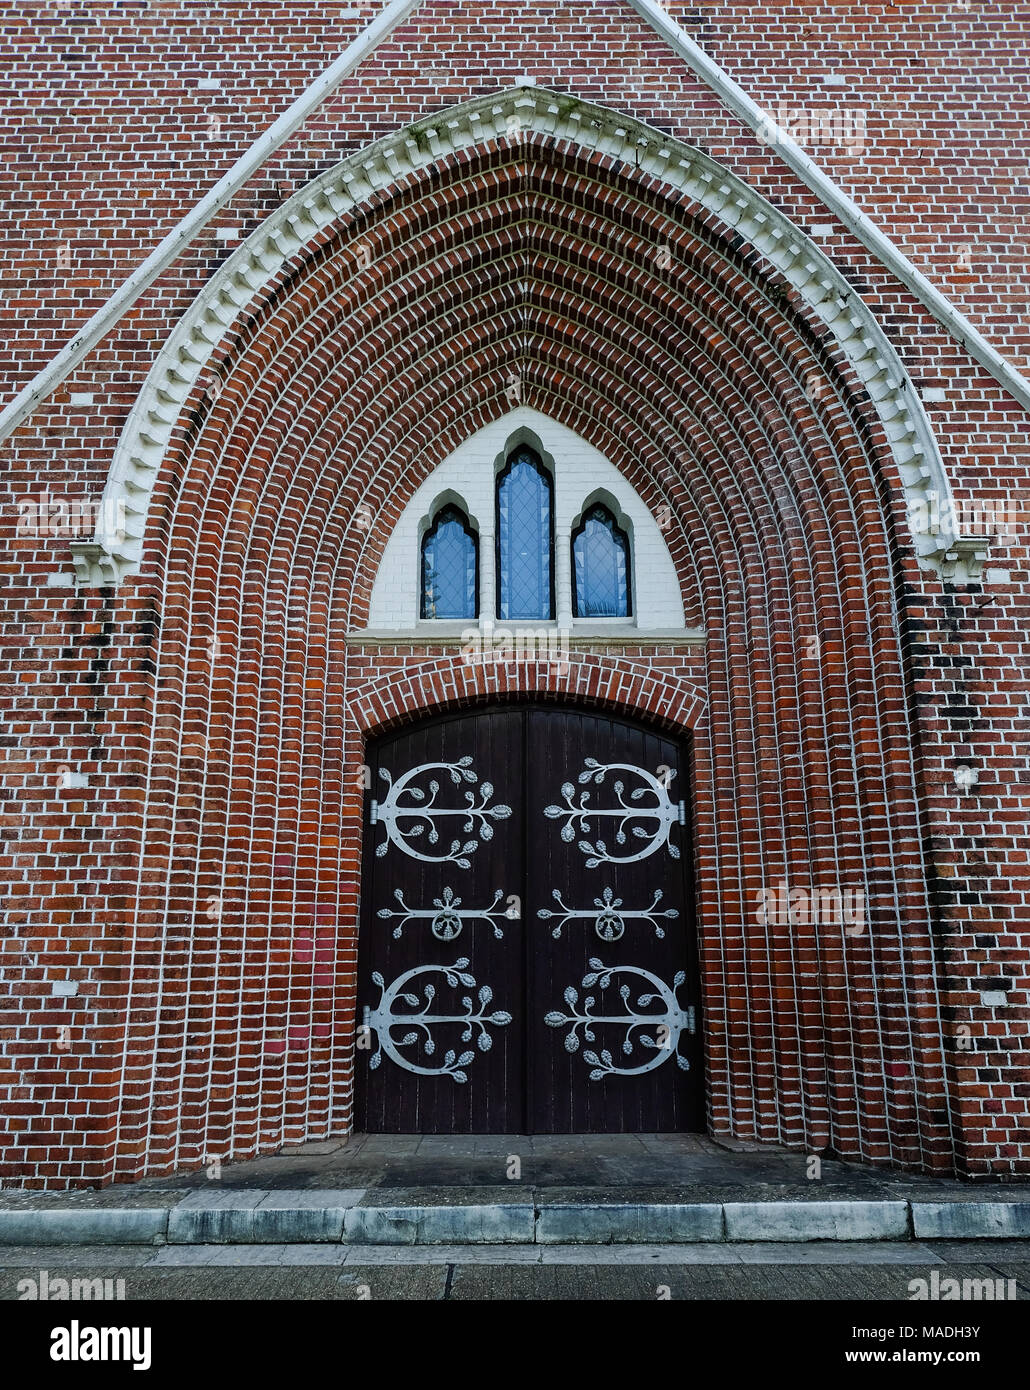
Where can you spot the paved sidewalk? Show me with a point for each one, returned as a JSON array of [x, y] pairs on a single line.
[[395, 1190], [822, 1271]]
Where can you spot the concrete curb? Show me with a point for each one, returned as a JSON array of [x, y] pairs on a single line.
[[817, 1221], [494, 1224], [100, 1226], [260, 1218], [583, 1223], [318, 1216], [970, 1220]]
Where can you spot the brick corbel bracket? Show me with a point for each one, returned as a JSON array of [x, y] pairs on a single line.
[[514, 113]]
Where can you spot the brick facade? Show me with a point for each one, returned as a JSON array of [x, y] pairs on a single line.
[[184, 751]]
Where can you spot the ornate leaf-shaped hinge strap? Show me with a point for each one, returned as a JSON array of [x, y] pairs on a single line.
[[420, 1022], [609, 915], [446, 916], [655, 1032], [410, 811], [644, 813]]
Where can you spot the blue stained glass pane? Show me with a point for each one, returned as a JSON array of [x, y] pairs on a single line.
[[600, 559], [524, 539], [449, 568]]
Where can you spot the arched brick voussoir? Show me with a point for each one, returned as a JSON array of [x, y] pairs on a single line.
[[348, 570], [405, 464], [456, 682], [627, 331], [335, 424], [451, 683], [291, 229], [660, 295], [725, 482], [335, 481], [444, 303]]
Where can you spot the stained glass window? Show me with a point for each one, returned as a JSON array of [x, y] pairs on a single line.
[[524, 539], [450, 567], [600, 567]]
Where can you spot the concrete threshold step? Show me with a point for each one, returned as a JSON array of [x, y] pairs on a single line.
[[361, 1216]]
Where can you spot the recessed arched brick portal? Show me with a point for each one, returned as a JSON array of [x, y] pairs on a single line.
[[582, 288]]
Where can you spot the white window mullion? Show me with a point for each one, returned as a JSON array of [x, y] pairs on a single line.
[[487, 574], [563, 575]]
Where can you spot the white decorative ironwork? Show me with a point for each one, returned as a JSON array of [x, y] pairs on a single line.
[[421, 814], [661, 811], [667, 1025], [609, 920], [420, 1022], [445, 916]]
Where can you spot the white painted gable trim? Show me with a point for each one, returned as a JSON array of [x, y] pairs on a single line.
[[96, 328], [509, 114], [729, 92], [580, 472], [845, 208]]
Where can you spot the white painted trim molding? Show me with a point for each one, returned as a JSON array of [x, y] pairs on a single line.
[[845, 208], [95, 329], [144, 439], [584, 635], [729, 92]]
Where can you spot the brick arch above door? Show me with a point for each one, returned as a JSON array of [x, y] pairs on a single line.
[[254, 276], [332, 415], [443, 683]]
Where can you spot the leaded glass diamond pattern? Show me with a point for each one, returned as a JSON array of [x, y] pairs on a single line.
[[524, 539], [449, 563], [600, 562]]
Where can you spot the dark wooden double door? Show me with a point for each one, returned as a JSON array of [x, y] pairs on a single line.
[[527, 959]]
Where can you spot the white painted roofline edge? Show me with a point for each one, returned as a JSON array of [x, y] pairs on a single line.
[[850, 214], [95, 329], [395, 12]]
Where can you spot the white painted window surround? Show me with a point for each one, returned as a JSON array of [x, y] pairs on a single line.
[[582, 476]]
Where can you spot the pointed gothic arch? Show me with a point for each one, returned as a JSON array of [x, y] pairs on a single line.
[[582, 476], [338, 198], [343, 386]]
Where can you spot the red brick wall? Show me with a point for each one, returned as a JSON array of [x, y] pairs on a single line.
[[201, 889]]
